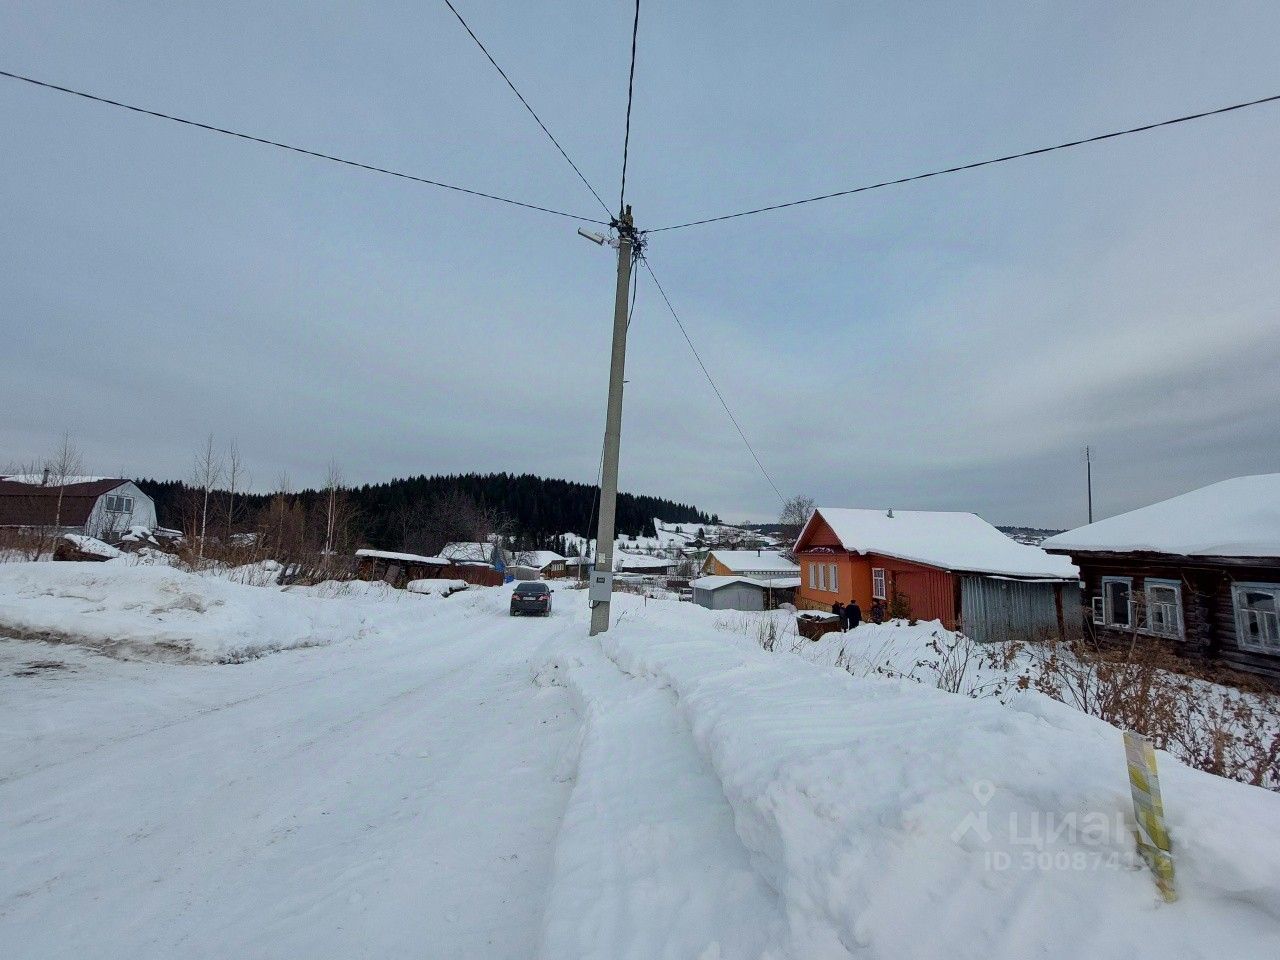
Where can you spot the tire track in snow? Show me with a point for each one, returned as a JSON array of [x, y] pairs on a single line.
[[648, 863]]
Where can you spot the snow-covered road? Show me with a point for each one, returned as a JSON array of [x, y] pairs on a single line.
[[441, 780], [385, 799]]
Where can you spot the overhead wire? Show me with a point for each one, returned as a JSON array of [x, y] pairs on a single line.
[[519, 96], [631, 87], [295, 149], [973, 166], [707, 373]]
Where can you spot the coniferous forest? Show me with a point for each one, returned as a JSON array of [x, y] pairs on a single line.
[[534, 510]]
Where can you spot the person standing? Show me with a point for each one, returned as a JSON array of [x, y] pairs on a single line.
[[852, 615], [838, 609], [877, 611]]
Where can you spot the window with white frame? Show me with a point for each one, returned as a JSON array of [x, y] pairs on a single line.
[[1099, 611], [879, 584], [824, 577], [1164, 607], [1257, 607], [1117, 601], [119, 504]]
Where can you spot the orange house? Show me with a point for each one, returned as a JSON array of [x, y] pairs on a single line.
[[931, 561]]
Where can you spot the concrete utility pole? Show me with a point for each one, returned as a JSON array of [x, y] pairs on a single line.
[[1088, 474], [602, 574]]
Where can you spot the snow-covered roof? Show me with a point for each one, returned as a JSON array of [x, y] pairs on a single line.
[[1232, 518], [536, 558], [716, 582], [753, 561], [39, 479], [407, 557], [639, 561], [951, 541]]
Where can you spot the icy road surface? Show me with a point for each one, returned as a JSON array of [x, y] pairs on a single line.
[[396, 797]]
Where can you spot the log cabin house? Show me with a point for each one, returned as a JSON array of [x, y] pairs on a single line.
[[1200, 571], [952, 567]]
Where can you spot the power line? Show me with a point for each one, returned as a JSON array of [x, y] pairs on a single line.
[[302, 150], [973, 166], [502, 73], [631, 86], [706, 373]]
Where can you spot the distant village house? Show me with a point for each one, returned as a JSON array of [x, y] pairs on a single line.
[[100, 507], [952, 567]]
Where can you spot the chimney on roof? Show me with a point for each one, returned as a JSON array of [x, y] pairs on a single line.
[[44, 480], [891, 513]]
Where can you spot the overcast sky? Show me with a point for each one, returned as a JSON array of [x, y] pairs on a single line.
[[950, 344]]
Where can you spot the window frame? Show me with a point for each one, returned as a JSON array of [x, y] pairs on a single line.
[[1107, 605], [1237, 591], [879, 575], [834, 583], [1159, 583], [813, 575]]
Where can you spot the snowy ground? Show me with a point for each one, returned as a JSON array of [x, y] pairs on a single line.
[[440, 780]]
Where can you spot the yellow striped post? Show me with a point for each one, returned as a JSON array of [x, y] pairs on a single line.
[[1152, 833]]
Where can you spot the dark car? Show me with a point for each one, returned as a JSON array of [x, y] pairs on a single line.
[[533, 596]]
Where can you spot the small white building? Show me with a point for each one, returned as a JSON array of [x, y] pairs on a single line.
[[101, 507], [742, 593]]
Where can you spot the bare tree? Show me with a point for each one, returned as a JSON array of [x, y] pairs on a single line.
[[795, 514], [332, 484], [455, 518], [237, 480], [64, 466], [205, 474]]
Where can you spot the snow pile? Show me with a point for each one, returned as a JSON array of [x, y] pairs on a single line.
[[1233, 518], [437, 585], [951, 541], [895, 820], [157, 611], [92, 546]]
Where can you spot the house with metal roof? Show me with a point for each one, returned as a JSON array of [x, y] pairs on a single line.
[[931, 565], [757, 564], [100, 507]]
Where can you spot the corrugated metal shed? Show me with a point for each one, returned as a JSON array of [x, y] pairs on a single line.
[[996, 609]]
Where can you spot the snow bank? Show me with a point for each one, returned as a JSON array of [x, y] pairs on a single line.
[[647, 863], [156, 611], [895, 820], [438, 585]]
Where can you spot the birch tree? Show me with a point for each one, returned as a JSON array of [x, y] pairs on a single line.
[[332, 483], [237, 480], [205, 474], [64, 466]]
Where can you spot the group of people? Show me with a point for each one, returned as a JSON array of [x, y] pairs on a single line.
[[850, 613]]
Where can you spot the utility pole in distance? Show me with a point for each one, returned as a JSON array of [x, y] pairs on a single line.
[[1088, 476], [601, 589]]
